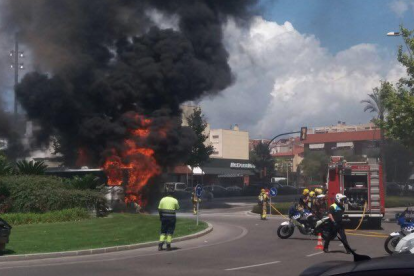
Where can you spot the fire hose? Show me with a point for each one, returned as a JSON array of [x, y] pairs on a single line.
[[361, 220]]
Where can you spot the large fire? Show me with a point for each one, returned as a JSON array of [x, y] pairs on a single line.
[[137, 160]]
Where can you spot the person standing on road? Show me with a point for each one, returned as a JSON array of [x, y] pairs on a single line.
[[167, 210], [336, 211], [263, 200], [195, 199]]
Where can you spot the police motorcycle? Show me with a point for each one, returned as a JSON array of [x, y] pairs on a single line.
[[406, 222], [306, 222]]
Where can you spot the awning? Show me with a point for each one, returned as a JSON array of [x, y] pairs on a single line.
[[230, 175], [226, 172], [317, 146], [345, 144]]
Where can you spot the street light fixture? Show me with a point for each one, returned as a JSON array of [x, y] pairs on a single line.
[[399, 34]]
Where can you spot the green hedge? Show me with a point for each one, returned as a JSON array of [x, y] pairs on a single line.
[[398, 201], [75, 214], [39, 194]]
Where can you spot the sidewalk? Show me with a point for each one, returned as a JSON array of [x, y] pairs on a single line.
[[390, 213]]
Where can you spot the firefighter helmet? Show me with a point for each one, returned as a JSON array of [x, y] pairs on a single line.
[[340, 198], [312, 194], [318, 191], [305, 192], [263, 191]]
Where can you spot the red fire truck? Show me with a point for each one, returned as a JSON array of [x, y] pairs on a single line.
[[362, 183]]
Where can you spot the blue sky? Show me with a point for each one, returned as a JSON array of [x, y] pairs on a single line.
[[340, 24]]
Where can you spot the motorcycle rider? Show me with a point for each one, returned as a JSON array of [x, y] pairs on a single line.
[[263, 200], [336, 211]]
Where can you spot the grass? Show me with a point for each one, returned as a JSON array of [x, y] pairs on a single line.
[[283, 207], [75, 214], [119, 229], [398, 201]]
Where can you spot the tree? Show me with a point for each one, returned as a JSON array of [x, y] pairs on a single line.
[[200, 152], [315, 165], [260, 156], [399, 99], [376, 104]]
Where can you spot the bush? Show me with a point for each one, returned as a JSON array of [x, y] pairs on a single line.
[[396, 201], [38, 194], [87, 182], [75, 214]]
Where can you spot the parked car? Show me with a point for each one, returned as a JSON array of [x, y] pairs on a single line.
[[393, 189], [286, 190], [234, 190], [176, 186], [217, 190]]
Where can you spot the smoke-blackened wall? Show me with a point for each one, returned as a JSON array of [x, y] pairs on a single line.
[[100, 60]]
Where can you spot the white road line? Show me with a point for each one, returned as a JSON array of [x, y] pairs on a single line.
[[249, 266], [314, 254]]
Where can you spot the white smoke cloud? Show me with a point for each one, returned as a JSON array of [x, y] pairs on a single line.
[[285, 80]]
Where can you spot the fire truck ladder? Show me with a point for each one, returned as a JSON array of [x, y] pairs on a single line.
[[374, 199]]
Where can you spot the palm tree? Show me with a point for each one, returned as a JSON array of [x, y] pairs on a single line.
[[31, 168], [375, 104]]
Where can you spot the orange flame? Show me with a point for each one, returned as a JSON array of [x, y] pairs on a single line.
[[138, 161]]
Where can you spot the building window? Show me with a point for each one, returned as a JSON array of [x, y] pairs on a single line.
[[215, 152], [215, 136]]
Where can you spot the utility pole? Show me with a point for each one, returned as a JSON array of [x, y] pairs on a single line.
[[15, 54]]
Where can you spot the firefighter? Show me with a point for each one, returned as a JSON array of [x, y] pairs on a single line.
[[195, 199], [336, 211], [312, 199], [303, 200], [263, 200], [167, 208], [319, 204]]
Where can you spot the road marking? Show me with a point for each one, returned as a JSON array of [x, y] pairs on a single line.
[[373, 236], [363, 232], [314, 254], [249, 266]]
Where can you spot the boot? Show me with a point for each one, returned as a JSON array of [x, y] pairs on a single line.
[[169, 247], [326, 250], [160, 246]]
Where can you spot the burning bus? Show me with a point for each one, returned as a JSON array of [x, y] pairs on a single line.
[[362, 183]]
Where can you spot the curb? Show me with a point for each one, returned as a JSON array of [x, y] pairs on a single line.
[[100, 250]]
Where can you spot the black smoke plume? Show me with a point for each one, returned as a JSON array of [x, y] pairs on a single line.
[[100, 60]]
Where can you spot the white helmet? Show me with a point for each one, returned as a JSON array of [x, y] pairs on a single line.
[[339, 198]]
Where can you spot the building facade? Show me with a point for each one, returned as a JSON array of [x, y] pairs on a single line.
[[356, 139], [230, 143]]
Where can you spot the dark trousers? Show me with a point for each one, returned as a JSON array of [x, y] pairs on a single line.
[[168, 226], [339, 229]]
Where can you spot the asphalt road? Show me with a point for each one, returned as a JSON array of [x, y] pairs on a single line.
[[241, 244]]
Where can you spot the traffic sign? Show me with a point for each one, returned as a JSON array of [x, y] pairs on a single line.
[[198, 190], [273, 191]]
